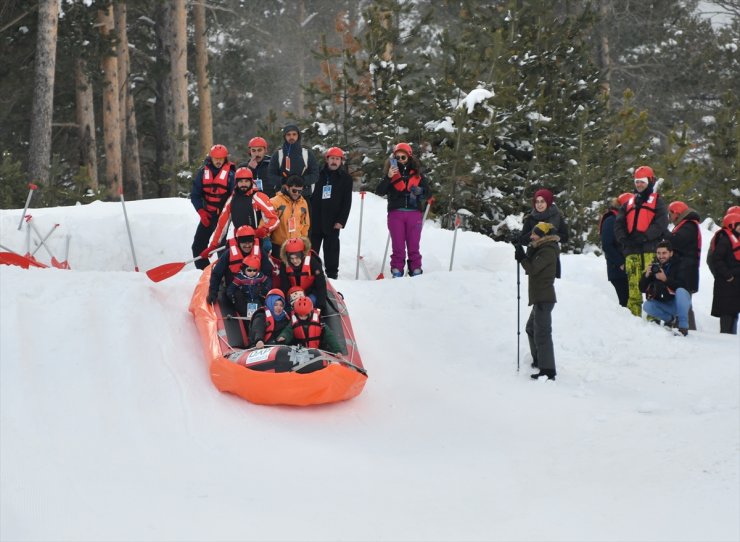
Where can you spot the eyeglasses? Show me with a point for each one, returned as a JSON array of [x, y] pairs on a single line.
[[249, 239], [401, 157], [251, 270], [296, 190]]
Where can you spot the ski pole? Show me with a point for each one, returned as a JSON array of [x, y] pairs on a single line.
[[28, 235], [454, 239], [43, 241], [128, 229], [385, 255], [38, 234], [518, 305], [31, 188], [359, 235]]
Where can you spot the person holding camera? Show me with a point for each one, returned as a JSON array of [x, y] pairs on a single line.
[[540, 264], [664, 286]]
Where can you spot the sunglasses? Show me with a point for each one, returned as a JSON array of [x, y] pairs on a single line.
[[401, 157], [249, 239], [251, 270], [296, 190]]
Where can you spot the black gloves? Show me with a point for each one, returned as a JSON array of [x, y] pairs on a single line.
[[211, 299], [519, 254]]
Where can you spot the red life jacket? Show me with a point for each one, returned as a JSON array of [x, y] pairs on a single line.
[[269, 324], [236, 256], [698, 231], [645, 214], [401, 184], [734, 242], [216, 188], [308, 332], [303, 278]]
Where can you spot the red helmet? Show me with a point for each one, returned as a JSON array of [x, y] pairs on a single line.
[[403, 147], [294, 245], [733, 209], [303, 306], [252, 261], [218, 151], [644, 172], [334, 151], [731, 219], [678, 207], [244, 231], [243, 173], [624, 198], [293, 290], [275, 291], [257, 142]]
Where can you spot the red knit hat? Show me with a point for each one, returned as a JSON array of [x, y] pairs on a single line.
[[545, 194]]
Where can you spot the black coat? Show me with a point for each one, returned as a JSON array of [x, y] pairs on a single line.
[[325, 212], [638, 242], [659, 290], [686, 242], [612, 250], [551, 215], [403, 199], [310, 172], [723, 265], [261, 176]]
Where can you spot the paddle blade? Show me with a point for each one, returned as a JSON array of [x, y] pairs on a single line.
[[165, 271], [11, 258], [59, 265]]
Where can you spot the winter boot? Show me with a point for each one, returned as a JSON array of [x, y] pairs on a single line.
[[396, 273], [683, 331], [549, 373], [416, 272]]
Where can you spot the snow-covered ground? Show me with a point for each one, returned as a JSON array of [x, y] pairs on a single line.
[[110, 428]]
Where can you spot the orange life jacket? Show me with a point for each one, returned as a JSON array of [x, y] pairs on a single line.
[[303, 278], [401, 184], [236, 256], [269, 324], [640, 219], [216, 188], [308, 332]]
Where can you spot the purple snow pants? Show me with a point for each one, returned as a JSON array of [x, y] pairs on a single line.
[[405, 229]]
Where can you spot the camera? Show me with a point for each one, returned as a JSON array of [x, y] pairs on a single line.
[[655, 268]]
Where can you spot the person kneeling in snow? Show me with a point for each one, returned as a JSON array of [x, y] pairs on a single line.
[[664, 285], [269, 321], [540, 263], [249, 287], [307, 330]]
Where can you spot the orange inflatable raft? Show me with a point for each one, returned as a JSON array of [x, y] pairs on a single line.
[[277, 375]]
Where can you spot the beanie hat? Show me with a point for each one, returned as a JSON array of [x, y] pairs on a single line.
[[291, 128], [542, 229], [545, 194]]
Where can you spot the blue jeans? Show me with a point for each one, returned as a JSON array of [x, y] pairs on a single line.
[[666, 310]]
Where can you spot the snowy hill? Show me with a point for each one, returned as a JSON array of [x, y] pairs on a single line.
[[110, 428]]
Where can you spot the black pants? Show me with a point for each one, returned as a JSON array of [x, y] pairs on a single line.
[[728, 324], [622, 288], [539, 333], [331, 250], [200, 241]]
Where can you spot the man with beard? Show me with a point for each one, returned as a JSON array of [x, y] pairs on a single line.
[[259, 163], [293, 159], [330, 206], [246, 207]]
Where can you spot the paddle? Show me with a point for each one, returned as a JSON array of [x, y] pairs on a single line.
[[13, 258], [165, 271]]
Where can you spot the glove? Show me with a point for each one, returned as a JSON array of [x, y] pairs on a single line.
[[211, 299], [262, 232], [519, 254], [205, 217], [206, 252]]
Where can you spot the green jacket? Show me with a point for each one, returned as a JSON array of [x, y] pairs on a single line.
[[541, 265], [328, 341]]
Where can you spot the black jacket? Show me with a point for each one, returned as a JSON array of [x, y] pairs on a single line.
[[277, 172], [551, 215], [327, 211], [638, 242], [403, 199], [723, 265], [686, 241], [656, 289], [612, 250], [262, 178]]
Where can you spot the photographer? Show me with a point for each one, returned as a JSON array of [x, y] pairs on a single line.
[[664, 285]]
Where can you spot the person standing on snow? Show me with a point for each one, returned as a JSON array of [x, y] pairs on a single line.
[[212, 185], [407, 189], [615, 272], [293, 159], [544, 210], [540, 264], [330, 206], [259, 163], [685, 239], [723, 259], [640, 225]]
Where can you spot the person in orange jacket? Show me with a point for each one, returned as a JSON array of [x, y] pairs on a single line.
[[293, 214]]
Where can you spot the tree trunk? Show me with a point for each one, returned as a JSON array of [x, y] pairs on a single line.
[[205, 116], [179, 75], [301, 61], [39, 155], [605, 62], [132, 185], [86, 123], [111, 108]]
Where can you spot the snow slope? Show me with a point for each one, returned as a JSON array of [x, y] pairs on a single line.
[[110, 428]]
